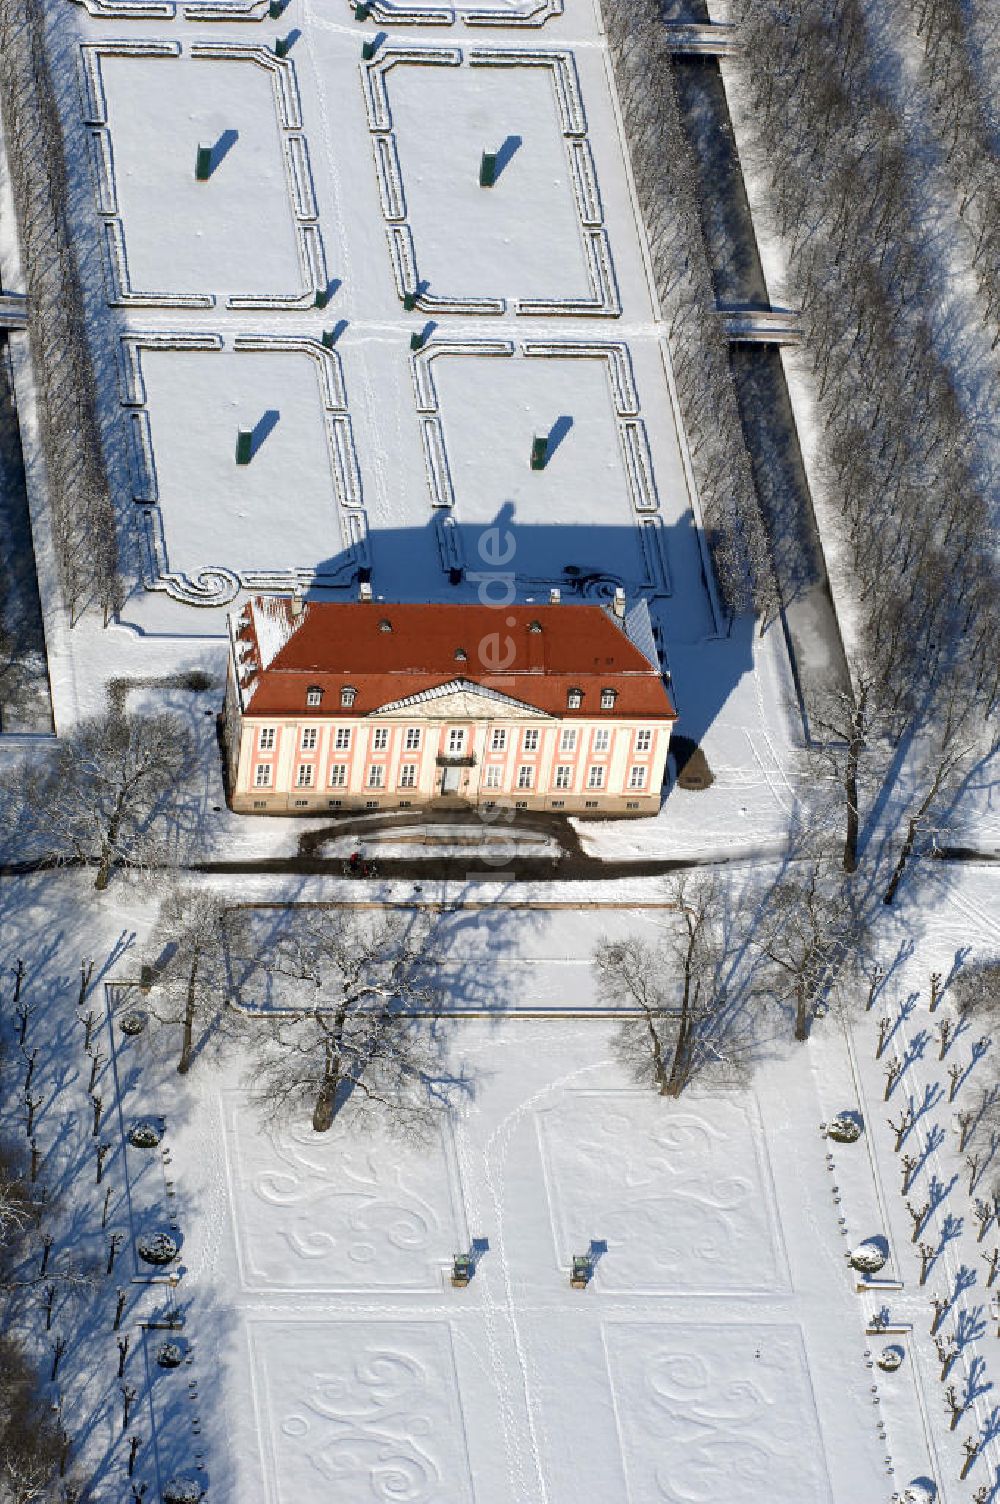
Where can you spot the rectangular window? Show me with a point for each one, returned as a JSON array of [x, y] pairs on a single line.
[[595, 778], [574, 699], [408, 775], [309, 735], [262, 776], [499, 742], [567, 742], [342, 738], [602, 740], [643, 741], [531, 741], [304, 775], [525, 776], [637, 778], [608, 698], [563, 777], [559, 804], [314, 697], [267, 738], [412, 738], [376, 776], [380, 738], [338, 775], [456, 741], [491, 778]]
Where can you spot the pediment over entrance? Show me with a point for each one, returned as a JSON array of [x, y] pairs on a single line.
[[461, 700]]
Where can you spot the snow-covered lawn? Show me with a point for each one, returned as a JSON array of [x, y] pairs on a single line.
[[518, 239], [215, 511], [705, 1360], [723, 1349], [185, 236]]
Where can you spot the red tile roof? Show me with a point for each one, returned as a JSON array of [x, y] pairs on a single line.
[[389, 652]]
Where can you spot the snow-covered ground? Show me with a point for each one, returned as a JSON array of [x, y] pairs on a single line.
[[358, 181], [723, 1348]]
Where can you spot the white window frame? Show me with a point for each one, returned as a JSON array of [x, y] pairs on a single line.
[[530, 742], [595, 777], [574, 699], [376, 776], [380, 738], [412, 743], [304, 775], [456, 741], [348, 695], [643, 740], [491, 776], [262, 776], [342, 738], [408, 775], [564, 776], [314, 696], [602, 739], [310, 735], [608, 698], [567, 742], [526, 776], [265, 739], [637, 778], [338, 775], [499, 742]]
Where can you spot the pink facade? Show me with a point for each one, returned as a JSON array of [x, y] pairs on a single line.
[[455, 744]]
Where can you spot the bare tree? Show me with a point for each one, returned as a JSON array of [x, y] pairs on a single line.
[[842, 719], [16, 1209], [804, 936], [115, 794], [976, 989], [359, 1041], [29, 1441], [954, 738], [679, 987], [205, 955]]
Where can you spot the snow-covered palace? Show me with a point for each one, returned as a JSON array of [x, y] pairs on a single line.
[[367, 705]]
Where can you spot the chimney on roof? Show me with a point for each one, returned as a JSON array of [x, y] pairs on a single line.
[[555, 596], [297, 605], [618, 604], [365, 591]]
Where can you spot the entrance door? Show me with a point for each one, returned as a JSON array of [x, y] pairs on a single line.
[[450, 781]]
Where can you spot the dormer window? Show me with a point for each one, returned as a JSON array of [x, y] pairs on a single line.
[[608, 698], [347, 696], [314, 695], [574, 699]]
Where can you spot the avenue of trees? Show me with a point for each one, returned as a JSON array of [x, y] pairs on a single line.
[[957, 69], [83, 520], [900, 448], [666, 183]]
